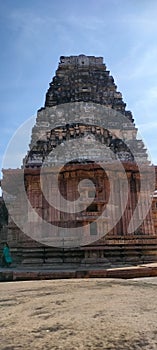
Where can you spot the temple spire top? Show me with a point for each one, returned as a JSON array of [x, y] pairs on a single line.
[[84, 79]]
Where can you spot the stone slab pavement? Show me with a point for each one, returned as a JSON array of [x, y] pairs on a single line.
[[21, 273]]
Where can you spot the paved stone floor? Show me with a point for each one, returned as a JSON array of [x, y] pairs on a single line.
[[66, 271]]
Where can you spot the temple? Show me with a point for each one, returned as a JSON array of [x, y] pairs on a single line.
[[83, 134]]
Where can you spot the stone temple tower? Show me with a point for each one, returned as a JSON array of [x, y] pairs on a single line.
[[83, 132]]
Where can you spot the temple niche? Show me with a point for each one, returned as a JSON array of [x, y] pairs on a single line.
[[83, 131]]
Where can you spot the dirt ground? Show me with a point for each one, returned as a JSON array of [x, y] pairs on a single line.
[[88, 314]]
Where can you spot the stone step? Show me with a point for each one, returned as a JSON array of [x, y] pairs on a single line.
[[106, 254]]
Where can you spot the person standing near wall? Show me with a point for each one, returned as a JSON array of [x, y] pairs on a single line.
[[6, 256]]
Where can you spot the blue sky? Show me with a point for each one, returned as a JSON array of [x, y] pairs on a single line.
[[35, 33]]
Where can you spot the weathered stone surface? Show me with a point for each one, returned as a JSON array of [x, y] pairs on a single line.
[[84, 78], [72, 121], [84, 115]]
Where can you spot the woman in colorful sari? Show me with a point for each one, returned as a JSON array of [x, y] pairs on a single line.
[[6, 256]]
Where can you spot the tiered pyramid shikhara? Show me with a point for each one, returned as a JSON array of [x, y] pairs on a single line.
[[83, 124]]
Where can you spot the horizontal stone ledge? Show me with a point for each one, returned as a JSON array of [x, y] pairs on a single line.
[[121, 272]]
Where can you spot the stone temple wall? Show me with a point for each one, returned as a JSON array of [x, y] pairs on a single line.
[[83, 127], [55, 125]]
